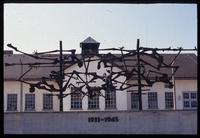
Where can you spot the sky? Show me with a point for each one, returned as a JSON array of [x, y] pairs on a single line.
[[40, 27]]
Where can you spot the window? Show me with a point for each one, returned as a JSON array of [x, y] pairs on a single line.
[[110, 100], [152, 100], [93, 103], [76, 100], [12, 102], [29, 102], [134, 101], [190, 100], [47, 102], [169, 104]]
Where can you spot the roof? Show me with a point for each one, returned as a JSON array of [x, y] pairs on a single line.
[[89, 40], [187, 65], [14, 72]]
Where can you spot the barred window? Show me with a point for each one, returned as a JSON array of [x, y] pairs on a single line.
[[134, 101], [29, 102], [110, 99], [47, 102], [190, 100], [169, 103], [152, 100], [12, 102], [93, 103], [76, 100]]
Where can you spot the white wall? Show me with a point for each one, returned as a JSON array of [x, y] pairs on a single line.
[[180, 86], [13, 87], [121, 96], [122, 100]]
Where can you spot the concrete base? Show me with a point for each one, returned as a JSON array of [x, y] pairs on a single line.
[[101, 122]]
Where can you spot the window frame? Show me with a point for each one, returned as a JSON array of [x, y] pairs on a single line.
[[134, 101], [13, 101], [190, 99], [93, 103], [29, 101], [152, 104], [111, 102], [47, 103], [169, 100], [76, 100]]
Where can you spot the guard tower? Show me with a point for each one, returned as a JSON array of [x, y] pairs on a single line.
[[89, 46]]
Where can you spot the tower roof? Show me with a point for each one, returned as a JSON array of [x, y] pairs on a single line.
[[89, 40]]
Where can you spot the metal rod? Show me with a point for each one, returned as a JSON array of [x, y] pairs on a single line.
[[25, 73], [139, 79], [21, 89], [61, 78], [174, 88]]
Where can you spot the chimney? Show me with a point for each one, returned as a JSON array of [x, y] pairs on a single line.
[[89, 46]]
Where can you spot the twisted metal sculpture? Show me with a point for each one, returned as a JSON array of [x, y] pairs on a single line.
[[85, 80]]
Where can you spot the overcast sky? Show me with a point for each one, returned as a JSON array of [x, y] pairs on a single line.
[[40, 27]]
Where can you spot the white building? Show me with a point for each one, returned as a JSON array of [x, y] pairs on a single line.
[[17, 97]]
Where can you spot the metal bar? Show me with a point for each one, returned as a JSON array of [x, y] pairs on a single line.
[[123, 60], [25, 73], [174, 88], [172, 63], [61, 78], [40, 53], [139, 79], [21, 89], [86, 68], [168, 49], [65, 87]]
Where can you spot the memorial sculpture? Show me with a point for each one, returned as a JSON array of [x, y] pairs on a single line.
[[145, 73]]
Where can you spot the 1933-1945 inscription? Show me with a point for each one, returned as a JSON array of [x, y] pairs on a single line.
[[104, 119]]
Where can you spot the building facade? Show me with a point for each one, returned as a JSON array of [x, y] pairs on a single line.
[[18, 98]]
